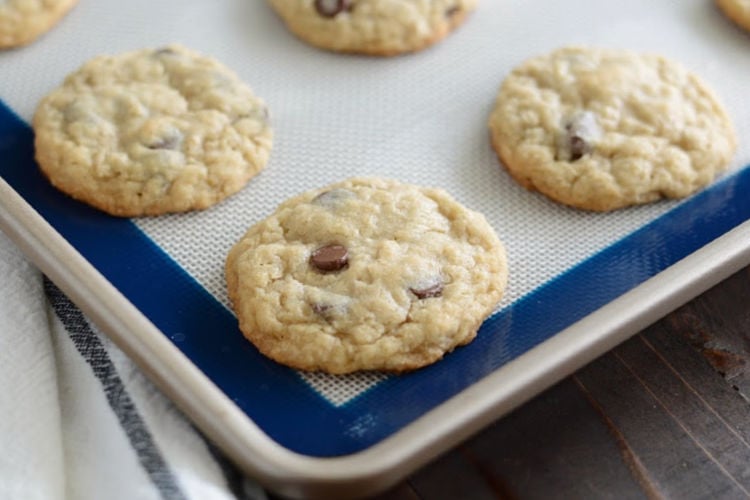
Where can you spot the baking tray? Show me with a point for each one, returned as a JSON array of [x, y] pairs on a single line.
[[580, 282]]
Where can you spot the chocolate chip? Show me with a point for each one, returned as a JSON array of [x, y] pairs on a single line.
[[427, 292], [452, 11], [328, 311], [332, 8], [330, 199], [578, 147], [322, 309], [169, 142], [581, 131], [330, 258], [166, 51]]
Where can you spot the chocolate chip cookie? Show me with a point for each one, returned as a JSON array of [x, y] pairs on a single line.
[[737, 10], [601, 129], [365, 274], [375, 27], [22, 21], [152, 131]]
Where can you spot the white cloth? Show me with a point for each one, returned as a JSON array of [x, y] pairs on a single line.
[[78, 420]]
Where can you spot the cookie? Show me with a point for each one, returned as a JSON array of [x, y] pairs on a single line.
[[365, 274], [601, 129], [374, 27], [22, 21], [736, 10], [152, 131]]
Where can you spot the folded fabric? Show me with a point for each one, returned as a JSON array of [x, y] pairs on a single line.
[[78, 420]]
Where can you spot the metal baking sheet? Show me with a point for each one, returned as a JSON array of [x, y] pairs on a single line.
[[580, 282]]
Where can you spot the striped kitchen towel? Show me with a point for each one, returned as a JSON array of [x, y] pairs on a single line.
[[78, 420]]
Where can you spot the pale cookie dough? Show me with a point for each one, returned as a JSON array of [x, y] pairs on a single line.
[[375, 27], [601, 129], [22, 21], [366, 274], [152, 131], [737, 10]]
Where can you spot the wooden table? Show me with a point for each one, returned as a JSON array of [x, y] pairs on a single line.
[[664, 415]]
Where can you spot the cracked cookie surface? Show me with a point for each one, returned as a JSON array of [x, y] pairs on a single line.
[[736, 10], [601, 129], [152, 131], [23, 21], [375, 27], [365, 274]]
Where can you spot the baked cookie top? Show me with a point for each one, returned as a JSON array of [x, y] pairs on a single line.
[[375, 27], [737, 10], [152, 131], [602, 129], [22, 21], [365, 274]]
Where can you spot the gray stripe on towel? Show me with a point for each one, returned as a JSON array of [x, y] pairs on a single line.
[[91, 348]]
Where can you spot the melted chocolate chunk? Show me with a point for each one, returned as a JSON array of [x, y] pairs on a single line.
[[330, 258], [332, 8], [427, 292]]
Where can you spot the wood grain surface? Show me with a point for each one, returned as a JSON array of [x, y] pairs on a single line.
[[664, 415]]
